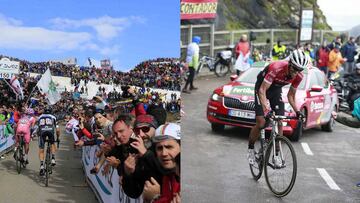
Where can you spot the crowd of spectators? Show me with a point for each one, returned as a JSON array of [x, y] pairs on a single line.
[[131, 128], [162, 73]]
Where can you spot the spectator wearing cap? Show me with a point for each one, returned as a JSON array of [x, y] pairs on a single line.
[[141, 166], [167, 149], [335, 60]]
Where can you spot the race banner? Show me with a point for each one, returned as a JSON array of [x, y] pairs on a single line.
[[8, 68], [105, 184], [6, 139], [198, 9], [306, 29]]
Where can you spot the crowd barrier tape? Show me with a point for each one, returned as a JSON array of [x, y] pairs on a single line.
[[6, 140], [106, 187]]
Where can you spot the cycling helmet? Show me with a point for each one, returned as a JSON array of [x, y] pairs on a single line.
[[47, 110], [196, 39], [29, 111], [299, 60]]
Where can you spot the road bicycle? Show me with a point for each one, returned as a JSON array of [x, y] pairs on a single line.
[[19, 154], [276, 156], [48, 166]]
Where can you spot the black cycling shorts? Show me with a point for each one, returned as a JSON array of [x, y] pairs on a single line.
[[42, 137]]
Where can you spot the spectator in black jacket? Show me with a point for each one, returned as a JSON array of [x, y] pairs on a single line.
[[142, 166]]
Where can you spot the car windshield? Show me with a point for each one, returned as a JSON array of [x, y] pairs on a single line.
[[250, 75]]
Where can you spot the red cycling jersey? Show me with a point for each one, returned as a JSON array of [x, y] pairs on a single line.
[[277, 73]]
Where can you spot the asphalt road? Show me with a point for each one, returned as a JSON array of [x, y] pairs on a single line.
[[66, 184], [215, 169]]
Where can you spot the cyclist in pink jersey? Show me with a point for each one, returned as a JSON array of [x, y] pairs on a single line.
[[24, 125]]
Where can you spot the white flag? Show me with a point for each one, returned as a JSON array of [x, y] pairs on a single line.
[[47, 87]]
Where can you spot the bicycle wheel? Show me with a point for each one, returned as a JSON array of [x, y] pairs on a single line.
[[18, 159], [280, 177], [221, 70], [47, 168], [257, 168]]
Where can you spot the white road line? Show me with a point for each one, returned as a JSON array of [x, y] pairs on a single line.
[[331, 183], [306, 148]]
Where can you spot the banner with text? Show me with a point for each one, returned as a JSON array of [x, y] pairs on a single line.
[[8, 68], [107, 185], [198, 9], [6, 139], [306, 28]]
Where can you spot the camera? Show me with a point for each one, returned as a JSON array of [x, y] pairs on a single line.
[[131, 149]]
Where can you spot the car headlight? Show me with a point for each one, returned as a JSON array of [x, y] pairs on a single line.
[[215, 97]]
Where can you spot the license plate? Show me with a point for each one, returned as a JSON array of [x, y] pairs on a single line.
[[242, 114]]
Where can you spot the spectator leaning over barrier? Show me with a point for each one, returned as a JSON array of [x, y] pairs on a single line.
[[335, 61], [322, 57], [122, 132], [167, 148], [141, 166], [349, 51], [103, 131], [192, 60]]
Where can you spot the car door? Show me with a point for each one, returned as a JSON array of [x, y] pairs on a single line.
[[315, 99]]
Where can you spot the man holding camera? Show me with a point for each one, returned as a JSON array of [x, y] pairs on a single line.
[[143, 165]]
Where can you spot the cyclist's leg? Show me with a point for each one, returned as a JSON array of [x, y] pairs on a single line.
[[260, 123], [53, 147], [278, 106], [41, 152], [27, 143]]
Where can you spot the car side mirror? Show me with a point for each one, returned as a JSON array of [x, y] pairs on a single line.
[[316, 88], [233, 77]]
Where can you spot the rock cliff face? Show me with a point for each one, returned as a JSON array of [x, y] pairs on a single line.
[[256, 14]]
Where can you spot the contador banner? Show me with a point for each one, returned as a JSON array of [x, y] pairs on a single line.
[[198, 9]]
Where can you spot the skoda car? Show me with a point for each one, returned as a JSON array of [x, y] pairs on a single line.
[[233, 104]]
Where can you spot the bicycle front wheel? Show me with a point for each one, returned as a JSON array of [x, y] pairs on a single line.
[[257, 168], [280, 168]]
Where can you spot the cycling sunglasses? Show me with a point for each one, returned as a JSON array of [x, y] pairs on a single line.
[[145, 129]]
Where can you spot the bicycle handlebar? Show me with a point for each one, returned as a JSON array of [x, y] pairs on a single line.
[[271, 115]]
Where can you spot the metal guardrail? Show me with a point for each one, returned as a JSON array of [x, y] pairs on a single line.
[[213, 40]]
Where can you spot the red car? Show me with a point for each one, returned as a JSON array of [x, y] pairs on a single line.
[[233, 103]]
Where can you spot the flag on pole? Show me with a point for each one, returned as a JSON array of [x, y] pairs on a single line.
[[47, 87], [14, 82]]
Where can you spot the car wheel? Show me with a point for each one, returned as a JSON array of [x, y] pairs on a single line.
[[329, 126], [217, 127], [298, 132]]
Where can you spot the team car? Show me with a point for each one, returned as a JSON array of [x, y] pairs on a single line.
[[233, 104]]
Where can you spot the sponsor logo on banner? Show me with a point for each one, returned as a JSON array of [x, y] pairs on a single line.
[[249, 91]]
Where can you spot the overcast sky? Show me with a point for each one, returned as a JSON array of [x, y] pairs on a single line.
[[341, 15]]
